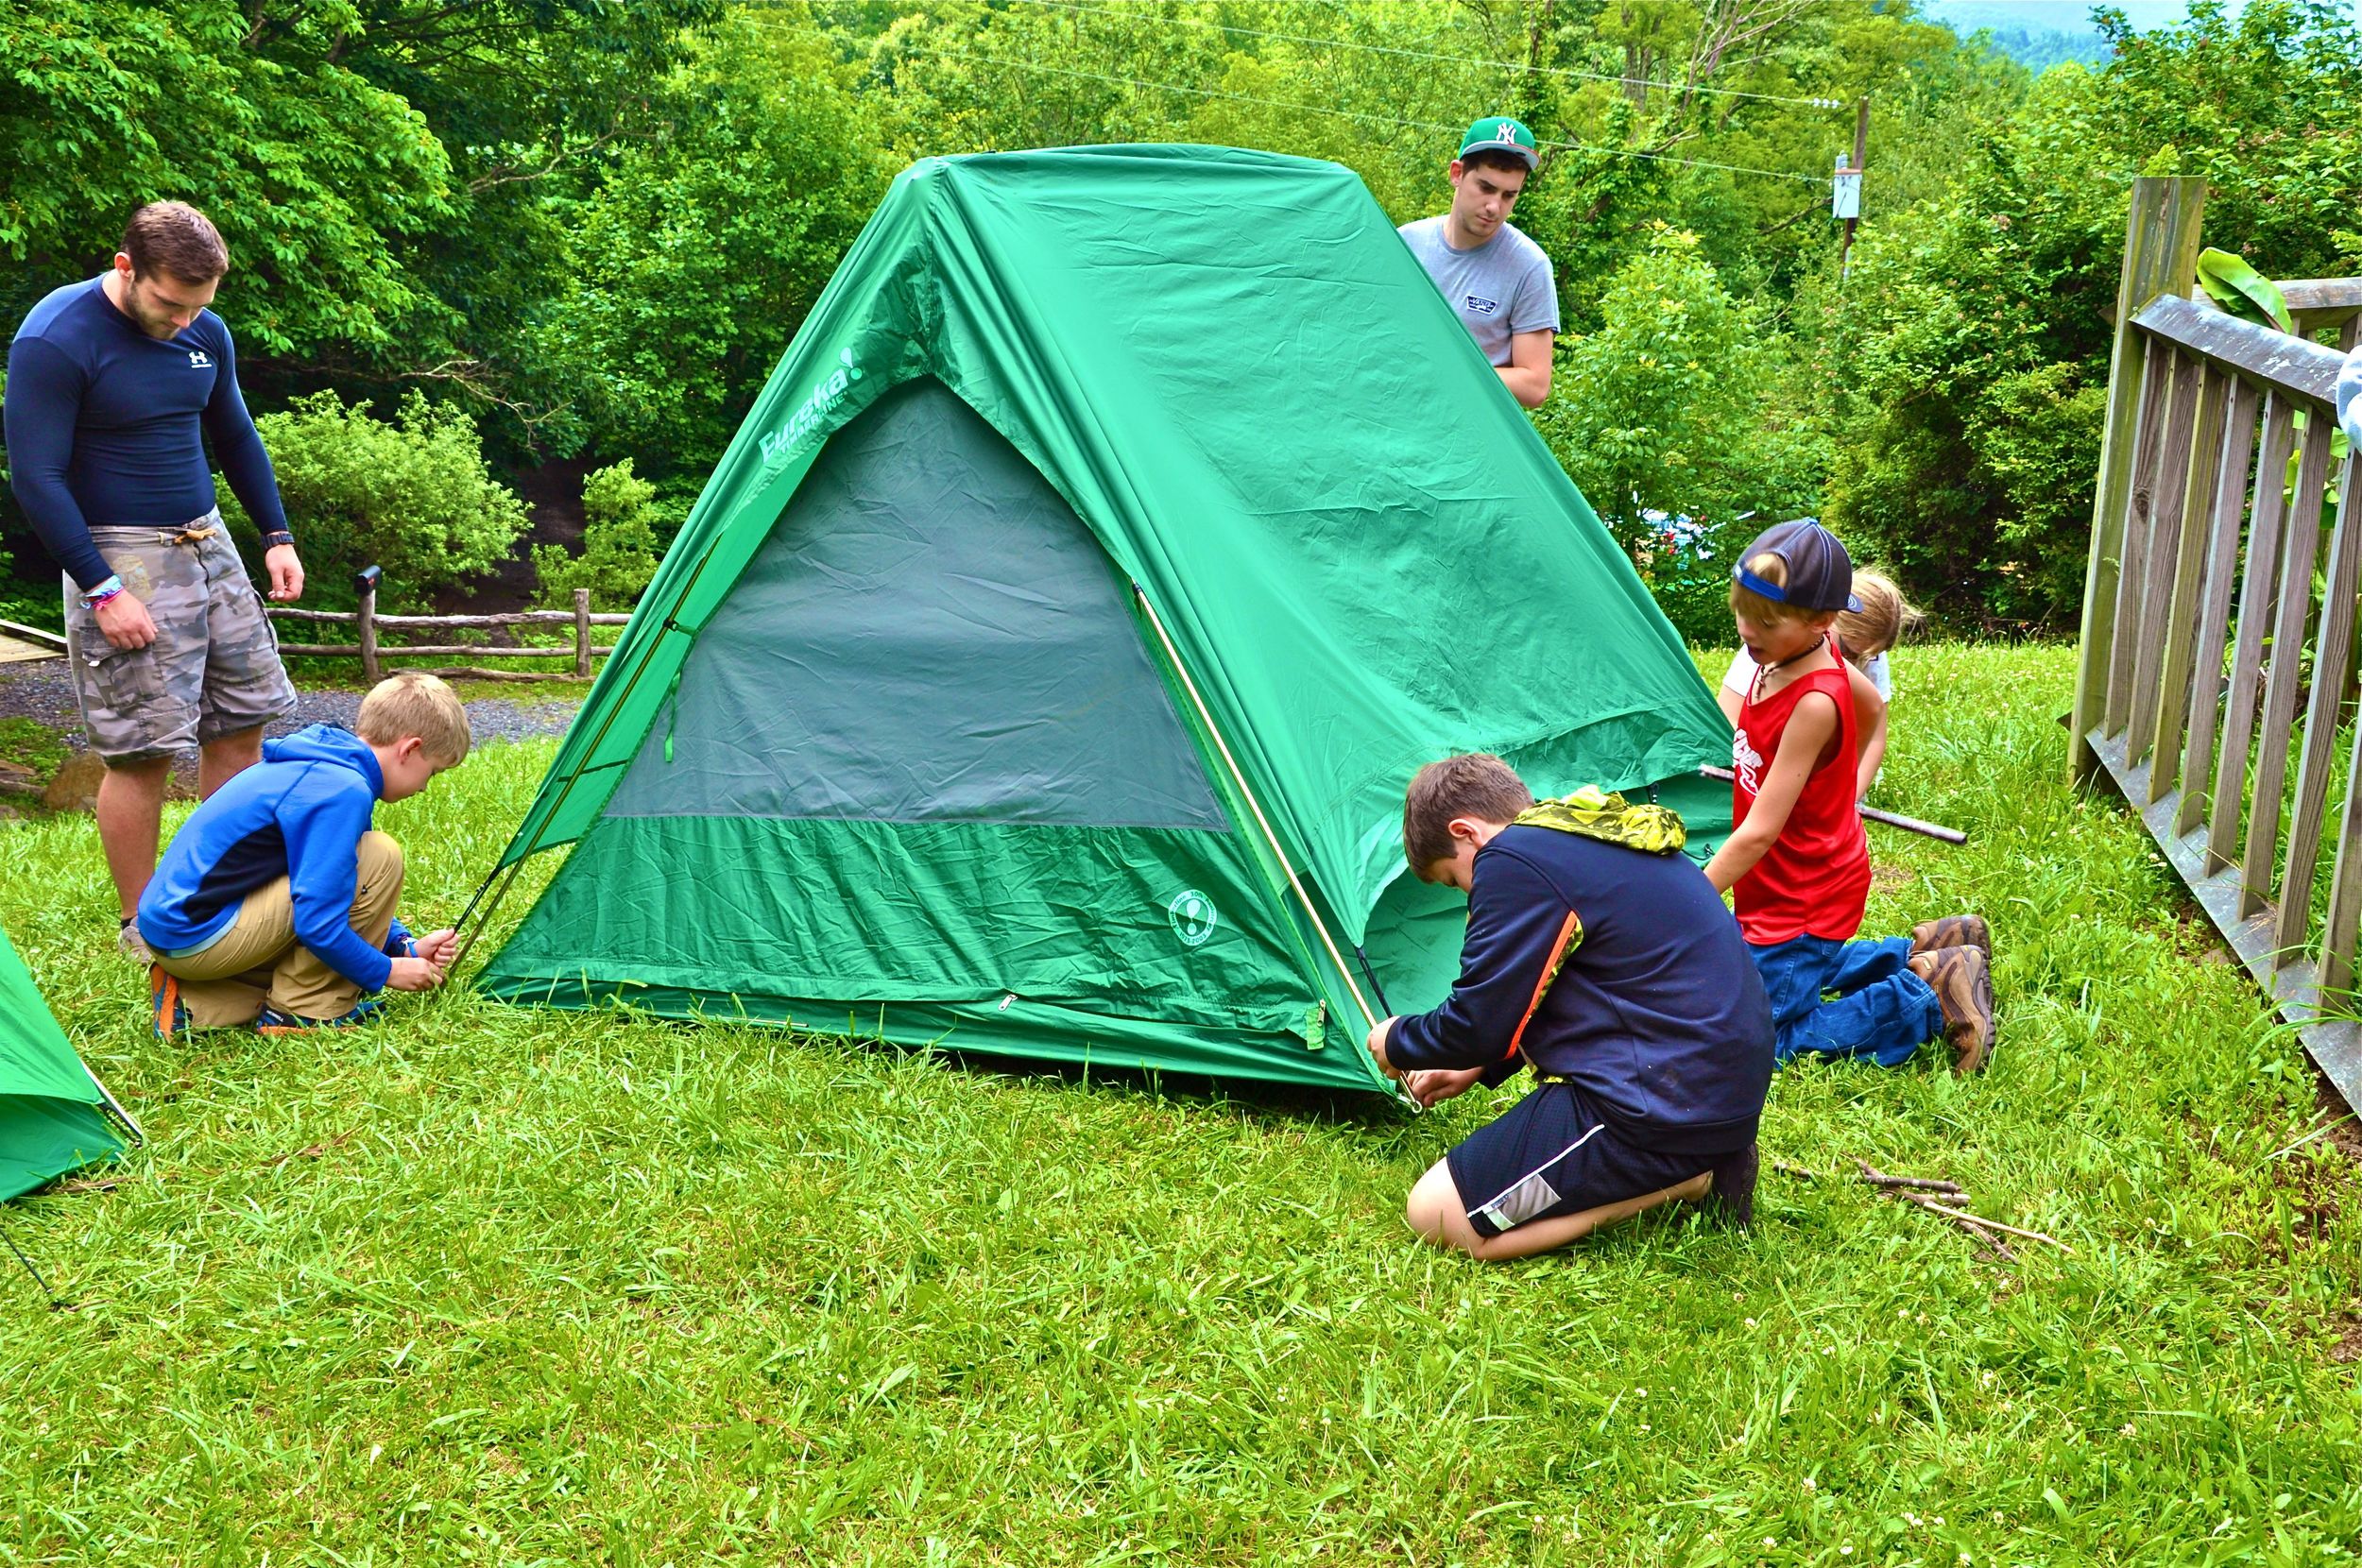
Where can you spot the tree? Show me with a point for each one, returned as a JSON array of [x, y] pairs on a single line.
[[1968, 353], [696, 260], [316, 177], [1668, 418], [620, 552]]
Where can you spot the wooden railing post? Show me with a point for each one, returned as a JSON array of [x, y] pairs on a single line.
[[367, 620], [2160, 257], [582, 633]]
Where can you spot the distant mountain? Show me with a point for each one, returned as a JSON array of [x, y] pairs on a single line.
[[2039, 34]]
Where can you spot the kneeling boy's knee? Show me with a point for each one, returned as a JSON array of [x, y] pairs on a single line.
[[378, 854], [1434, 1207]]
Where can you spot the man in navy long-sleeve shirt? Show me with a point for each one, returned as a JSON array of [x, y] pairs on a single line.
[[116, 385], [1599, 955]]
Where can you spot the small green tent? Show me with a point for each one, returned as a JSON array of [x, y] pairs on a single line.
[[1041, 667], [53, 1110]]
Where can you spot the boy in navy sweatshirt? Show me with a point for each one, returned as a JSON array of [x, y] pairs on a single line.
[[274, 905], [1600, 955]]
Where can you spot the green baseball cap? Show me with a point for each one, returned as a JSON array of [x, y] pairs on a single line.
[[1499, 133]]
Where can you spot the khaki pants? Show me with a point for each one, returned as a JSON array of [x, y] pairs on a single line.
[[258, 962]]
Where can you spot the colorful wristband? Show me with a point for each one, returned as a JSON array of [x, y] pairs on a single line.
[[103, 592]]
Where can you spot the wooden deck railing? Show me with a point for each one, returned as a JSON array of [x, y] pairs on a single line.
[[2216, 618], [371, 650]]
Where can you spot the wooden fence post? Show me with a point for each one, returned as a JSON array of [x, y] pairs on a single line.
[[2160, 238], [582, 633], [367, 620]]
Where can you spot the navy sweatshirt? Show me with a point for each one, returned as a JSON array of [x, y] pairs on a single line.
[[299, 813], [106, 426], [1655, 1011]]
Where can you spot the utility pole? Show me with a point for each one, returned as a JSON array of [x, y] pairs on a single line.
[[1846, 202]]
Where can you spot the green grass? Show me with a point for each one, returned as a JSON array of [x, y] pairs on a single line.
[[500, 1285], [32, 745]]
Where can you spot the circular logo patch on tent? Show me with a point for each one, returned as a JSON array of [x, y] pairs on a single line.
[[1193, 919]]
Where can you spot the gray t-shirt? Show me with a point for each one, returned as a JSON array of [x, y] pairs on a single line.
[[1502, 288]]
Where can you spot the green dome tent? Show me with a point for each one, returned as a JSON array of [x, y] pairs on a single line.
[[1041, 667], [52, 1109]]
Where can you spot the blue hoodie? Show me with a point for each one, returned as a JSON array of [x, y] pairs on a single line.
[[299, 813], [1617, 969]]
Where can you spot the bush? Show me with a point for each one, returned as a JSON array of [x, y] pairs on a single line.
[[1670, 417], [413, 496], [619, 550]]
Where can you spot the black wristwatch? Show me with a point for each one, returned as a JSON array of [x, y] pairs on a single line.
[[276, 537]]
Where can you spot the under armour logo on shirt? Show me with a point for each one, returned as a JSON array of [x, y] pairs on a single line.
[[197, 359]]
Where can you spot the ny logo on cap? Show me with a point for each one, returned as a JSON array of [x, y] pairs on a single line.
[[1507, 132]]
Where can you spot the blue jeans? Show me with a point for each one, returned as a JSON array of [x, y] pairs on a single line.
[[1847, 998]]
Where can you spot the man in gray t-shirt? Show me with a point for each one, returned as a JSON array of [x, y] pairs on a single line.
[[1495, 276]]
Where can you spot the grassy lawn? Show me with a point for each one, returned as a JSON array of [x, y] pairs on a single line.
[[498, 1285]]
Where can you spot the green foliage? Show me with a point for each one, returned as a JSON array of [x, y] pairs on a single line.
[[413, 496], [695, 262], [619, 550], [1670, 411], [33, 746], [489, 1284], [2234, 284], [318, 178], [1968, 352]]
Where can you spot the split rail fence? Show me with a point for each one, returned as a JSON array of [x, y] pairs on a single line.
[[2219, 635], [371, 650]]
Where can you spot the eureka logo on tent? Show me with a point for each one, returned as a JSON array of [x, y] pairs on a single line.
[[814, 408], [1193, 919]]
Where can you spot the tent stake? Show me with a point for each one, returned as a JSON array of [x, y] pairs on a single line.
[[1253, 804], [56, 1302]]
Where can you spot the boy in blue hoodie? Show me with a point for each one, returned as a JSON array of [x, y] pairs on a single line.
[[1599, 955], [274, 905]]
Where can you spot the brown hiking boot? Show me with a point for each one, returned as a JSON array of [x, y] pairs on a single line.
[[1953, 930], [1963, 986], [1731, 1190]]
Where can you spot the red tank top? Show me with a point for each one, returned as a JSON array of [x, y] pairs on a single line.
[[1815, 879]]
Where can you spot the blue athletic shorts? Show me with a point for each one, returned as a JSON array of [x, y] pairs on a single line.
[[1552, 1153]]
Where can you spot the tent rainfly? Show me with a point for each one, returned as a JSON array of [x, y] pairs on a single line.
[[53, 1110], [1040, 669]]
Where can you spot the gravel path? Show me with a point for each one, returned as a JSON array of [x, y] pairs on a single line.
[[45, 691]]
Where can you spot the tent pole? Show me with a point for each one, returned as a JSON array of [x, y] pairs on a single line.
[[1269, 838], [467, 939], [138, 1135], [670, 625]]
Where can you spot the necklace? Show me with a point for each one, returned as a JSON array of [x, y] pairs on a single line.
[[1755, 695]]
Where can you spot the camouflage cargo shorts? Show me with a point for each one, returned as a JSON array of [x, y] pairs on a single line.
[[214, 669]]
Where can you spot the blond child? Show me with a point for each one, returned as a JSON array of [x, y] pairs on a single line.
[[274, 905], [1797, 863], [1875, 618]]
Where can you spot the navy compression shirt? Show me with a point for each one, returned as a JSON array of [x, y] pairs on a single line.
[[107, 426]]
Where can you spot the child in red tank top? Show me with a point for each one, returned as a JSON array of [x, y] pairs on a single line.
[[1797, 863]]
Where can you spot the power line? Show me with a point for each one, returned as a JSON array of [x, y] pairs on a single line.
[[1304, 109], [1453, 60]]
